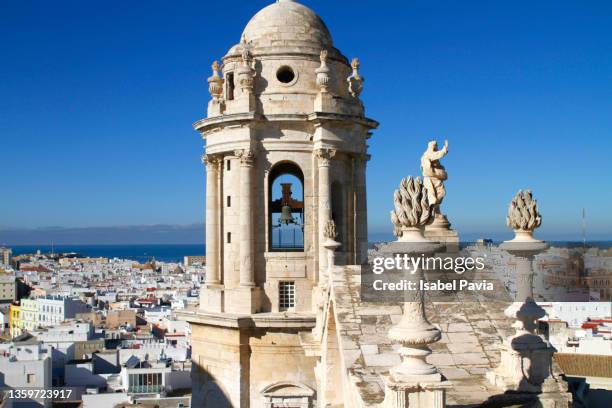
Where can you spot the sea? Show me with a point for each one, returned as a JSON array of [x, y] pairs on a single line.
[[177, 252], [140, 253]]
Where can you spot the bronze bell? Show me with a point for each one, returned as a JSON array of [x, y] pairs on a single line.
[[286, 217]]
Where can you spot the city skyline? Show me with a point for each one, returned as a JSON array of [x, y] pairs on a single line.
[[98, 109]]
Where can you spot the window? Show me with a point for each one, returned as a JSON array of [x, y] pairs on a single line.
[[229, 237], [31, 378], [285, 74], [228, 165], [286, 295], [229, 201], [286, 208], [230, 86]]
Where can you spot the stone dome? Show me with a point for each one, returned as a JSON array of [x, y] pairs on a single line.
[[285, 25]]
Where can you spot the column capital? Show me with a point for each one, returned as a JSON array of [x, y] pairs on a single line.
[[324, 155], [363, 157], [246, 156], [211, 160]]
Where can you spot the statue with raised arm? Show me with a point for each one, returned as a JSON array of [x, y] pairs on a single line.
[[434, 173], [434, 176]]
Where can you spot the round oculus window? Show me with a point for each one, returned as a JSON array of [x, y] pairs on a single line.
[[285, 75]]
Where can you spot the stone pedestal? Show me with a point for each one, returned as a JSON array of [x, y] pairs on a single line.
[[526, 357], [324, 102], [331, 246], [215, 108], [211, 298], [243, 300], [245, 103], [440, 231], [414, 382], [415, 395]]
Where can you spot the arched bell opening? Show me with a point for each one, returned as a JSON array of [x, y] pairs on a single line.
[[286, 208]]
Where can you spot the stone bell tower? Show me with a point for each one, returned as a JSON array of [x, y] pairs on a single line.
[[286, 151]]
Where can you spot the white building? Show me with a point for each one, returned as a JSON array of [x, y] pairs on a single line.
[[53, 310], [576, 313], [157, 315], [26, 364]]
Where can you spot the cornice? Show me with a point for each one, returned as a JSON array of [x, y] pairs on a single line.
[[318, 118], [260, 320]]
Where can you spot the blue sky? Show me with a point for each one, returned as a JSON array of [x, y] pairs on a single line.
[[97, 101]]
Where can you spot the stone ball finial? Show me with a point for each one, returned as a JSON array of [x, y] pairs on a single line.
[[412, 210], [523, 215]]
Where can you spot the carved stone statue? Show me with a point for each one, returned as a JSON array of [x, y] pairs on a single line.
[[434, 176], [355, 81], [434, 173]]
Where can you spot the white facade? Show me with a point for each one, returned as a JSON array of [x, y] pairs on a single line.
[[52, 310], [576, 313], [28, 365]]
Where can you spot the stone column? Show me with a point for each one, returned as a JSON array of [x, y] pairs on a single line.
[[247, 270], [526, 357], [324, 157], [212, 219], [415, 383]]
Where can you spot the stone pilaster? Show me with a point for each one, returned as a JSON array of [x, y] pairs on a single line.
[[324, 158]]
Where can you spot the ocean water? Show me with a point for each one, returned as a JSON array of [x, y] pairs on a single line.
[[176, 253], [140, 253]]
